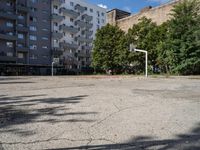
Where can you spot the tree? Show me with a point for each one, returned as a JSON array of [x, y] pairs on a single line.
[[145, 35], [109, 52], [181, 49]]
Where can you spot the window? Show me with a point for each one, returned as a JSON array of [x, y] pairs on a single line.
[[33, 47], [45, 38], [55, 24], [45, 47], [71, 20], [33, 28], [20, 36], [33, 9], [21, 16], [102, 14], [9, 24], [20, 55], [10, 33], [71, 4], [33, 37], [34, 1], [55, 7], [33, 56], [9, 54], [91, 10], [44, 29], [44, 20], [9, 44], [98, 13], [20, 45], [103, 21], [9, 3], [20, 25], [45, 12], [33, 19]]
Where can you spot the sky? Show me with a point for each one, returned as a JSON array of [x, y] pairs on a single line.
[[132, 6]]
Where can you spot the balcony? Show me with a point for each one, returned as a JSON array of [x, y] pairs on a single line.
[[89, 25], [69, 29], [69, 46], [8, 37], [22, 28], [56, 17], [88, 33], [81, 24], [8, 58], [6, 15], [80, 8], [84, 39], [58, 2], [22, 49], [87, 17], [57, 52], [82, 54], [57, 35], [22, 8], [68, 12], [87, 47]]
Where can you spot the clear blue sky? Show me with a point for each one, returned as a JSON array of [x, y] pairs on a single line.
[[128, 5]]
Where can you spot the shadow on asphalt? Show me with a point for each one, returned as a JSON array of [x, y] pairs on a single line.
[[16, 82], [16, 111], [188, 141]]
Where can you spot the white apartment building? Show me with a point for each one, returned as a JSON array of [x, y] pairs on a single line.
[[74, 24]]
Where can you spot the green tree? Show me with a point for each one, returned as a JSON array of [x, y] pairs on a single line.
[[181, 49], [145, 35], [110, 51]]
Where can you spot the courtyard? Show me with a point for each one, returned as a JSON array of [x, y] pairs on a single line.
[[99, 112]]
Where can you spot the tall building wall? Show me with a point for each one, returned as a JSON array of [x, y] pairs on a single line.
[[158, 14], [74, 26]]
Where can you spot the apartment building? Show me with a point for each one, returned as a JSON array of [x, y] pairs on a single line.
[[74, 24], [33, 33], [25, 35]]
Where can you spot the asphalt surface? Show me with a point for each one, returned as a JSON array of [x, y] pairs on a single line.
[[99, 112]]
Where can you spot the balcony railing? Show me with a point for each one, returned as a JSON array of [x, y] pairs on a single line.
[[84, 39], [58, 2], [69, 46], [22, 49], [8, 15], [88, 33], [68, 12], [87, 17], [80, 23], [69, 29], [56, 17], [89, 25], [22, 7], [22, 28], [5, 57], [80, 8], [6, 36], [57, 52], [57, 35]]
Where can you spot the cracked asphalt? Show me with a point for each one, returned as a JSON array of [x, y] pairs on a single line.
[[99, 112]]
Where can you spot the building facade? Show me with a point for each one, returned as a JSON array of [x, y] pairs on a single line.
[[74, 24], [33, 33], [125, 20]]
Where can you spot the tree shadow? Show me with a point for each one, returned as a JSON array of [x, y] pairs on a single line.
[[188, 141], [25, 109], [16, 82]]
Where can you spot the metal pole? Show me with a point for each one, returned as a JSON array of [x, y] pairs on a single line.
[[52, 69], [146, 64]]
